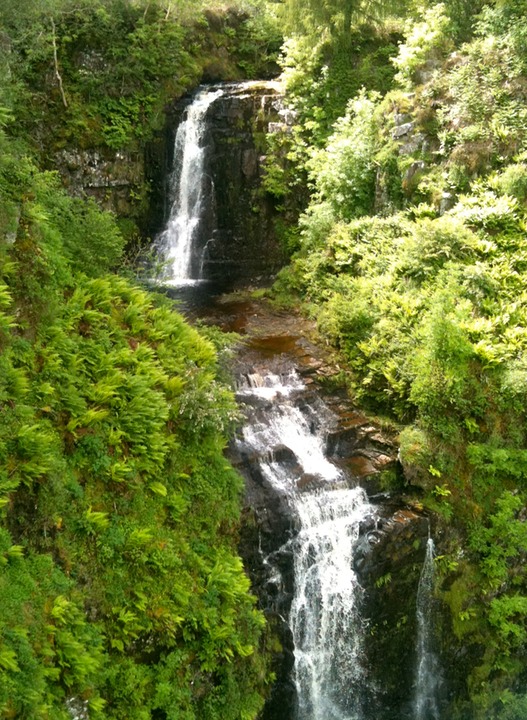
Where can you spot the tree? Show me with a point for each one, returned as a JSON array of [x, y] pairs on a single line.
[[306, 16]]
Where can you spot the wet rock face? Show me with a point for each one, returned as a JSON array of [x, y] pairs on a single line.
[[267, 525], [389, 558], [115, 179], [241, 247], [244, 244]]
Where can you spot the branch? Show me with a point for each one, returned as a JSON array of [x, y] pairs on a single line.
[[56, 62]]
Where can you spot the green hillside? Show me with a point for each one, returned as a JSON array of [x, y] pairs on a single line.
[[121, 592], [411, 253]]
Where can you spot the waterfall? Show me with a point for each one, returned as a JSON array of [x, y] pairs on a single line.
[[325, 613], [286, 433], [428, 674], [188, 181]]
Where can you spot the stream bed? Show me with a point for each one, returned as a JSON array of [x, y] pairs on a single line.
[[334, 558], [334, 555]]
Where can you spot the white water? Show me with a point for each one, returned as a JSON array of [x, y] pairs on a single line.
[[428, 673], [177, 241], [325, 617]]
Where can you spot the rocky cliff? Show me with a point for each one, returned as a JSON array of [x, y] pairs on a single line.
[[241, 245]]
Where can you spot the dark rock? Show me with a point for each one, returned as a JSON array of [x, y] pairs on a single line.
[[401, 118], [361, 466], [244, 244], [388, 561], [415, 143], [112, 178], [414, 169], [267, 527], [310, 366], [402, 130], [447, 202], [341, 442], [283, 454], [388, 557], [308, 482], [238, 242]]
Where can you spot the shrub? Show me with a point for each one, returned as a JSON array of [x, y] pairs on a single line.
[[433, 243], [426, 40], [344, 172]]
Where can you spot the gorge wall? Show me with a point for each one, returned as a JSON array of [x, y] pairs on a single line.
[[244, 246], [241, 245]]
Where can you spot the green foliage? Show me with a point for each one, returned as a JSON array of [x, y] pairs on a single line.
[[383, 580], [502, 540], [414, 448], [426, 41], [336, 15], [344, 172], [445, 389], [99, 73], [482, 119], [321, 73], [512, 181], [91, 239], [432, 244], [427, 307], [508, 706], [120, 588]]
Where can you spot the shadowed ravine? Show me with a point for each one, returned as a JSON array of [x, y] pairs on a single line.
[[334, 559]]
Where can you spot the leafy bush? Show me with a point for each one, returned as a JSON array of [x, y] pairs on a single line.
[[344, 172], [512, 181], [432, 244], [426, 40], [121, 593]]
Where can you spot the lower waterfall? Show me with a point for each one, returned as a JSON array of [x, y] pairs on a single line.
[[326, 621], [286, 434]]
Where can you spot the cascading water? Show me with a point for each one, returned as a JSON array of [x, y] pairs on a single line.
[[428, 675], [310, 580], [325, 613], [287, 435], [177, 243]]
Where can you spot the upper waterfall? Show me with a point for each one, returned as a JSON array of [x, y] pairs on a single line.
[[188, 184], [214, 221]]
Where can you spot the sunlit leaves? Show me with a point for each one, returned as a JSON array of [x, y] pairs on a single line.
[[344, 172], [112, 428]]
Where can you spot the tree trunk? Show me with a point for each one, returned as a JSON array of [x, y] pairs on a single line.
[[58, 76], [348, 14]]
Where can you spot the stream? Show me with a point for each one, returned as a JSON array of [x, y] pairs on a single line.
[[285, 435], [341, 567]]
